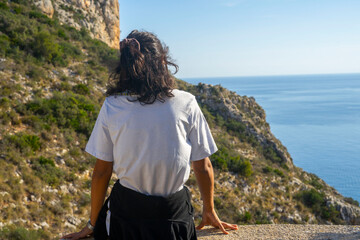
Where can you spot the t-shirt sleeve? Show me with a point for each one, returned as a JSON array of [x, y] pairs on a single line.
[[100, 144], [202, 142]]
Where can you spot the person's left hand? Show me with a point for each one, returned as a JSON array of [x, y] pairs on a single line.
[[85, 232]]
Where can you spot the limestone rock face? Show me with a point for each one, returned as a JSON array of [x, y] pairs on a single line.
[[347, 211], [245, 110], [45, 6], [99, 17]]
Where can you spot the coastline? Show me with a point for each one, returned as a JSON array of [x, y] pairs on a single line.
[[311, 112]]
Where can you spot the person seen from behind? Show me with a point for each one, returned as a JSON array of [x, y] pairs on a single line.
[[150, 134]]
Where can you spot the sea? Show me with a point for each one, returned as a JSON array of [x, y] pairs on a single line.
[[317, 118]]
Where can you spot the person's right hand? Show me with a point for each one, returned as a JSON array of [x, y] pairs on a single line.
[[85, 232], [211, 218]]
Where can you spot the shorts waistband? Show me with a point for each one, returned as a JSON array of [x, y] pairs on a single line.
[[132, 204]]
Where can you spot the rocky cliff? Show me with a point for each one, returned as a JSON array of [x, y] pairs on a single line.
[[99, 17], [245, 110], [277, 191]]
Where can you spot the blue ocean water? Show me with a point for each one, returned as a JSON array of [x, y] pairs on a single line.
[[317, 117]]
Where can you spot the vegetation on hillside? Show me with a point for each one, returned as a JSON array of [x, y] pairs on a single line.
[[52, 78]]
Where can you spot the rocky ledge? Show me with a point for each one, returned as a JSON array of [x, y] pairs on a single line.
[[283, 232]]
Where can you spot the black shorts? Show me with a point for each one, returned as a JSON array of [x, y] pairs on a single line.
[[136, 216]]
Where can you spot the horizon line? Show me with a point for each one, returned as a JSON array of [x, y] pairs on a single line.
[[275, 75]]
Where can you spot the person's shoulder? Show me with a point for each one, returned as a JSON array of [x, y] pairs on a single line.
[[183, 94], [118, 99], [110, 98]]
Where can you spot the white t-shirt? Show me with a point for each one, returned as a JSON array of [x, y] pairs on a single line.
[[151, 145]]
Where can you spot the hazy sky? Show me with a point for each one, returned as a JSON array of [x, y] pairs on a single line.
[[212, 38]]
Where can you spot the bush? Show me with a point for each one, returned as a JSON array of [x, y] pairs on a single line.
[[24, 142], [316, 201], [46, 170], [38, 15], [235, 126], [66, 111], [245, 218], [311, 198], [243, 167], [18, 10], [272, 155], [36, 73], [315, 183], [3, 6], [20, 233], [223, 160], [70, 51], [4, 45], [279, 172], [61, 33], [351, 201], [81, 89], [45, 48], [267, 169]]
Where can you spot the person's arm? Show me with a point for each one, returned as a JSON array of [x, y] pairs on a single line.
[[99, 184], [205, 177]]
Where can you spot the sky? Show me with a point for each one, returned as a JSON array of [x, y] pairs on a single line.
[[223, 38]]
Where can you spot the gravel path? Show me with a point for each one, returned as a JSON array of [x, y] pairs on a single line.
[[284, 232]]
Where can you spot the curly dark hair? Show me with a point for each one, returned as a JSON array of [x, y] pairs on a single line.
[[143, 70]]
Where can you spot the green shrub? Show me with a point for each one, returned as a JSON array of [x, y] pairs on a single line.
[[261, 218], [316, 201], [44, 161], [272, 155], [61, 33], [37, 15], [279, 172], [20, 233], [218, 203], [223, 160], [315, 183], [64, 86], [81, 89], [3, 6], [351, 201], [22, 2], [311, 198], [70, 50], [45, 48], [330, 213], [235, 126], [243, 167], [36, 73], [18, 9], [267, 169], [244, 218], [46, 170], [24, 142], [74, 152], [4, 44], [33, 121], [66, 111], [4, 102]]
